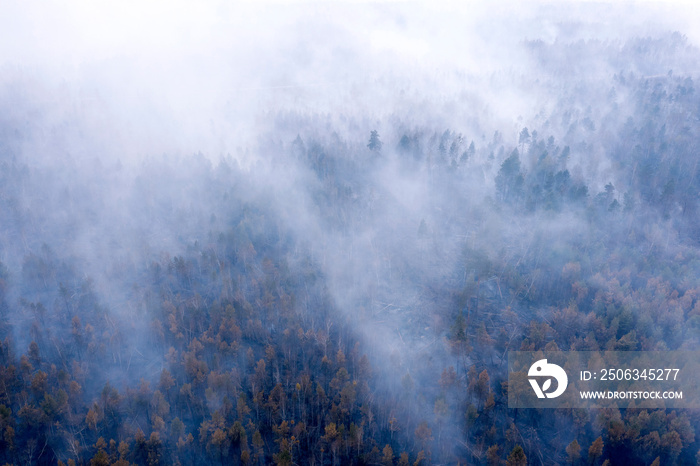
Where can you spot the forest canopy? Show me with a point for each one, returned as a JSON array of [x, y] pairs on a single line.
[[342, 283]]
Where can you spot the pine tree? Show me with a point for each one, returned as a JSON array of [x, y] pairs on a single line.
[[374, 143], [517, 457]]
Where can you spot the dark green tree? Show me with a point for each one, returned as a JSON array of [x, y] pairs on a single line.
[[509, 180]]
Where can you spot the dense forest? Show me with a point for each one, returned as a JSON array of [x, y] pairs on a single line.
[[345, 290]]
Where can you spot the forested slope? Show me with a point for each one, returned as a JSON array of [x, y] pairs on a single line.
[[349, 296]]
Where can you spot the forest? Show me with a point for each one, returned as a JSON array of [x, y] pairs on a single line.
[[345, 287]]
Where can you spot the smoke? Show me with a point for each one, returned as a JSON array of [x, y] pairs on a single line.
[[130, 130]]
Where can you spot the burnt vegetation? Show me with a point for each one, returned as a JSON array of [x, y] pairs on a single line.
[[360, 310]]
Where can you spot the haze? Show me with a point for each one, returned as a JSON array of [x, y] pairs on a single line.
[[230, 220]]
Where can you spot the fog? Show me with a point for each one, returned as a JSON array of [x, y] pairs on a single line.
[[163, 162], [169, 77]]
